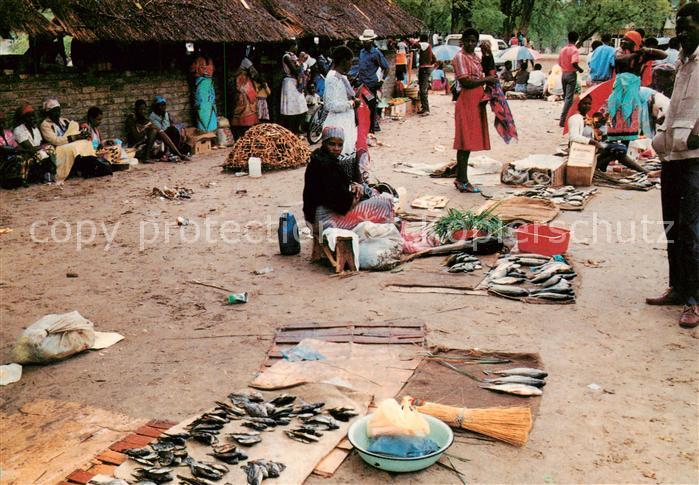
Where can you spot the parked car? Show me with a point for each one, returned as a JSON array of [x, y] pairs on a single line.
[[496, 45]]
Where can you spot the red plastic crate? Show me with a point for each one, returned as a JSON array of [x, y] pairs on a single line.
[[542, 239]]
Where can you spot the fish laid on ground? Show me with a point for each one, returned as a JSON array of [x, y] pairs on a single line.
[[515, 389], [555, 266], [551, 281], [500, 271], [529, 381], [561, 287], [509, 290], [507, 280], [520, 371], [554, 296], [532, 261]]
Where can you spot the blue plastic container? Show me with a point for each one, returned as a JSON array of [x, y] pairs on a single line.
[[288, 234]]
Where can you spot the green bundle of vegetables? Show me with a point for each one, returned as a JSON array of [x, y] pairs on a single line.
[[456, 220]]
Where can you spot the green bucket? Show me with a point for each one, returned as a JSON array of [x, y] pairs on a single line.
[[440, 432]]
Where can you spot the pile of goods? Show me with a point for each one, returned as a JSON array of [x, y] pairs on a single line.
[[459, 225], [563, 196], [463, 263], [175, 193], [399, 430], [534, 277], [521, 381], [277, 147], [396, 101], [525, 176], [633, 181], [252, 411]]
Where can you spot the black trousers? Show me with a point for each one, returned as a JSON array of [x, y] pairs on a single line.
[[423, 80], [374, 108], [680, 200], [401, 71]]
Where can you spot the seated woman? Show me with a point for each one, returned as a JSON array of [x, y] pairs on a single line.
[[439, 79], [330, 198], [65, 136], [587, 130], [23, 157], [106, 149], [522, 78], [141, 134], [166, 123]]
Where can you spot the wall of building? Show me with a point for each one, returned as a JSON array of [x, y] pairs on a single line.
[[115, 93]]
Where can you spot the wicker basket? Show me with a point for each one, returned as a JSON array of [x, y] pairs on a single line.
[[276, 146], [412, 92]]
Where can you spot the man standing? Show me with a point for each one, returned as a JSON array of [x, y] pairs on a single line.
[[678, 147], [568, 59], [427, 61], [601, 61], [370, 60]]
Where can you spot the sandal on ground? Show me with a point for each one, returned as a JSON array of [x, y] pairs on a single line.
[[466, 187]]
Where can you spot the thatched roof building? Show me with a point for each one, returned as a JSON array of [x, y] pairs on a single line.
[[23, 16], [240, 21]]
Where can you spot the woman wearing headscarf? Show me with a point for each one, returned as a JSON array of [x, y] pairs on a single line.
[[331, 196], [470, 118], [625, 103], [340, 102], [66, 137], [25, 158], [204, 94], [245, 112]]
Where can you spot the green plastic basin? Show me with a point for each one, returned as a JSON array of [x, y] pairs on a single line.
[[440, 432]]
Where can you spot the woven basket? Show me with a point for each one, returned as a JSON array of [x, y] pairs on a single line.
[[276, 146], [412, 92]]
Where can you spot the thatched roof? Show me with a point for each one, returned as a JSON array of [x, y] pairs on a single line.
[[244, 21], [342, 19], [23, 16], [167, 20]]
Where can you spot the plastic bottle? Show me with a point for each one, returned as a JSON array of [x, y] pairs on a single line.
[[288, 234]]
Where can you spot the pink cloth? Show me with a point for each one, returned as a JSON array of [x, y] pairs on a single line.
[[8, 138], [568, 56]]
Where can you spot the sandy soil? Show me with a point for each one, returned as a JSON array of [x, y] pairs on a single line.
[[184, 347]]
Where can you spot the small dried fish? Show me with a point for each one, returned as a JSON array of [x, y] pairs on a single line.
[[509, 290], [301, 436], [246, 439], [507, 280], [327, 421], [343, 414], [283, 400]]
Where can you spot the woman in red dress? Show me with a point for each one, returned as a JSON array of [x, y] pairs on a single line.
[[470, 117]]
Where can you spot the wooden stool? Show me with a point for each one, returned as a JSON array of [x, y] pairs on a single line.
[[199, 141], [341, 258]]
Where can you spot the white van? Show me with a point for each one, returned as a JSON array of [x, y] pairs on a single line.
[[496, 45]]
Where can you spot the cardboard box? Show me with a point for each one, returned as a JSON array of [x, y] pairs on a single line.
[[552, 166], [582, 161]]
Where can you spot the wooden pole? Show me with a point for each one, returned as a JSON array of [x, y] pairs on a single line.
[[225, 82]]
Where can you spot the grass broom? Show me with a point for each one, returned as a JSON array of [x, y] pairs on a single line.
[[511, 425]]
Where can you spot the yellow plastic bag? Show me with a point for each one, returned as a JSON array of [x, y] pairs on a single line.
[[392, 419]]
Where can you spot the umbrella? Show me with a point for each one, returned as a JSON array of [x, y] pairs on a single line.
[[599, 94], [445, 52], [518, 53]]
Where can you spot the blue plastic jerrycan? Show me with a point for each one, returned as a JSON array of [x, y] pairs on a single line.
[[288, 233]]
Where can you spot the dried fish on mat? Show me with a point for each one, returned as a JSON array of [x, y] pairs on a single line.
[[637, 181], [277, 147], [566, 198]]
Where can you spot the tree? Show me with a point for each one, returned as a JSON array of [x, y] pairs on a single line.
[[454, 15], [518, 14], [590, 17]]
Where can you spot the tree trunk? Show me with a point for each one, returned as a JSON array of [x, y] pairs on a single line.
[[507, 24], [526, 16]]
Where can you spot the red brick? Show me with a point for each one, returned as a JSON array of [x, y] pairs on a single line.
[[161, 424], [112, 457], [122, 445], [131, 441], [80, 476], [149, 431]]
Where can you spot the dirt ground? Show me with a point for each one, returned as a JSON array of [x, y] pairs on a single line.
[[185, 347]]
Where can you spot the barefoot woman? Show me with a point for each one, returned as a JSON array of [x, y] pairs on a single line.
[[471, 120]]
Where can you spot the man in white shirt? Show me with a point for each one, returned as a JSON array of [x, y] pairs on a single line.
[[677, 145], [535, 84]]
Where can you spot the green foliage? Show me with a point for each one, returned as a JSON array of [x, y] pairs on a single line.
[[487, 17], [456, 220], [589, 17]]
